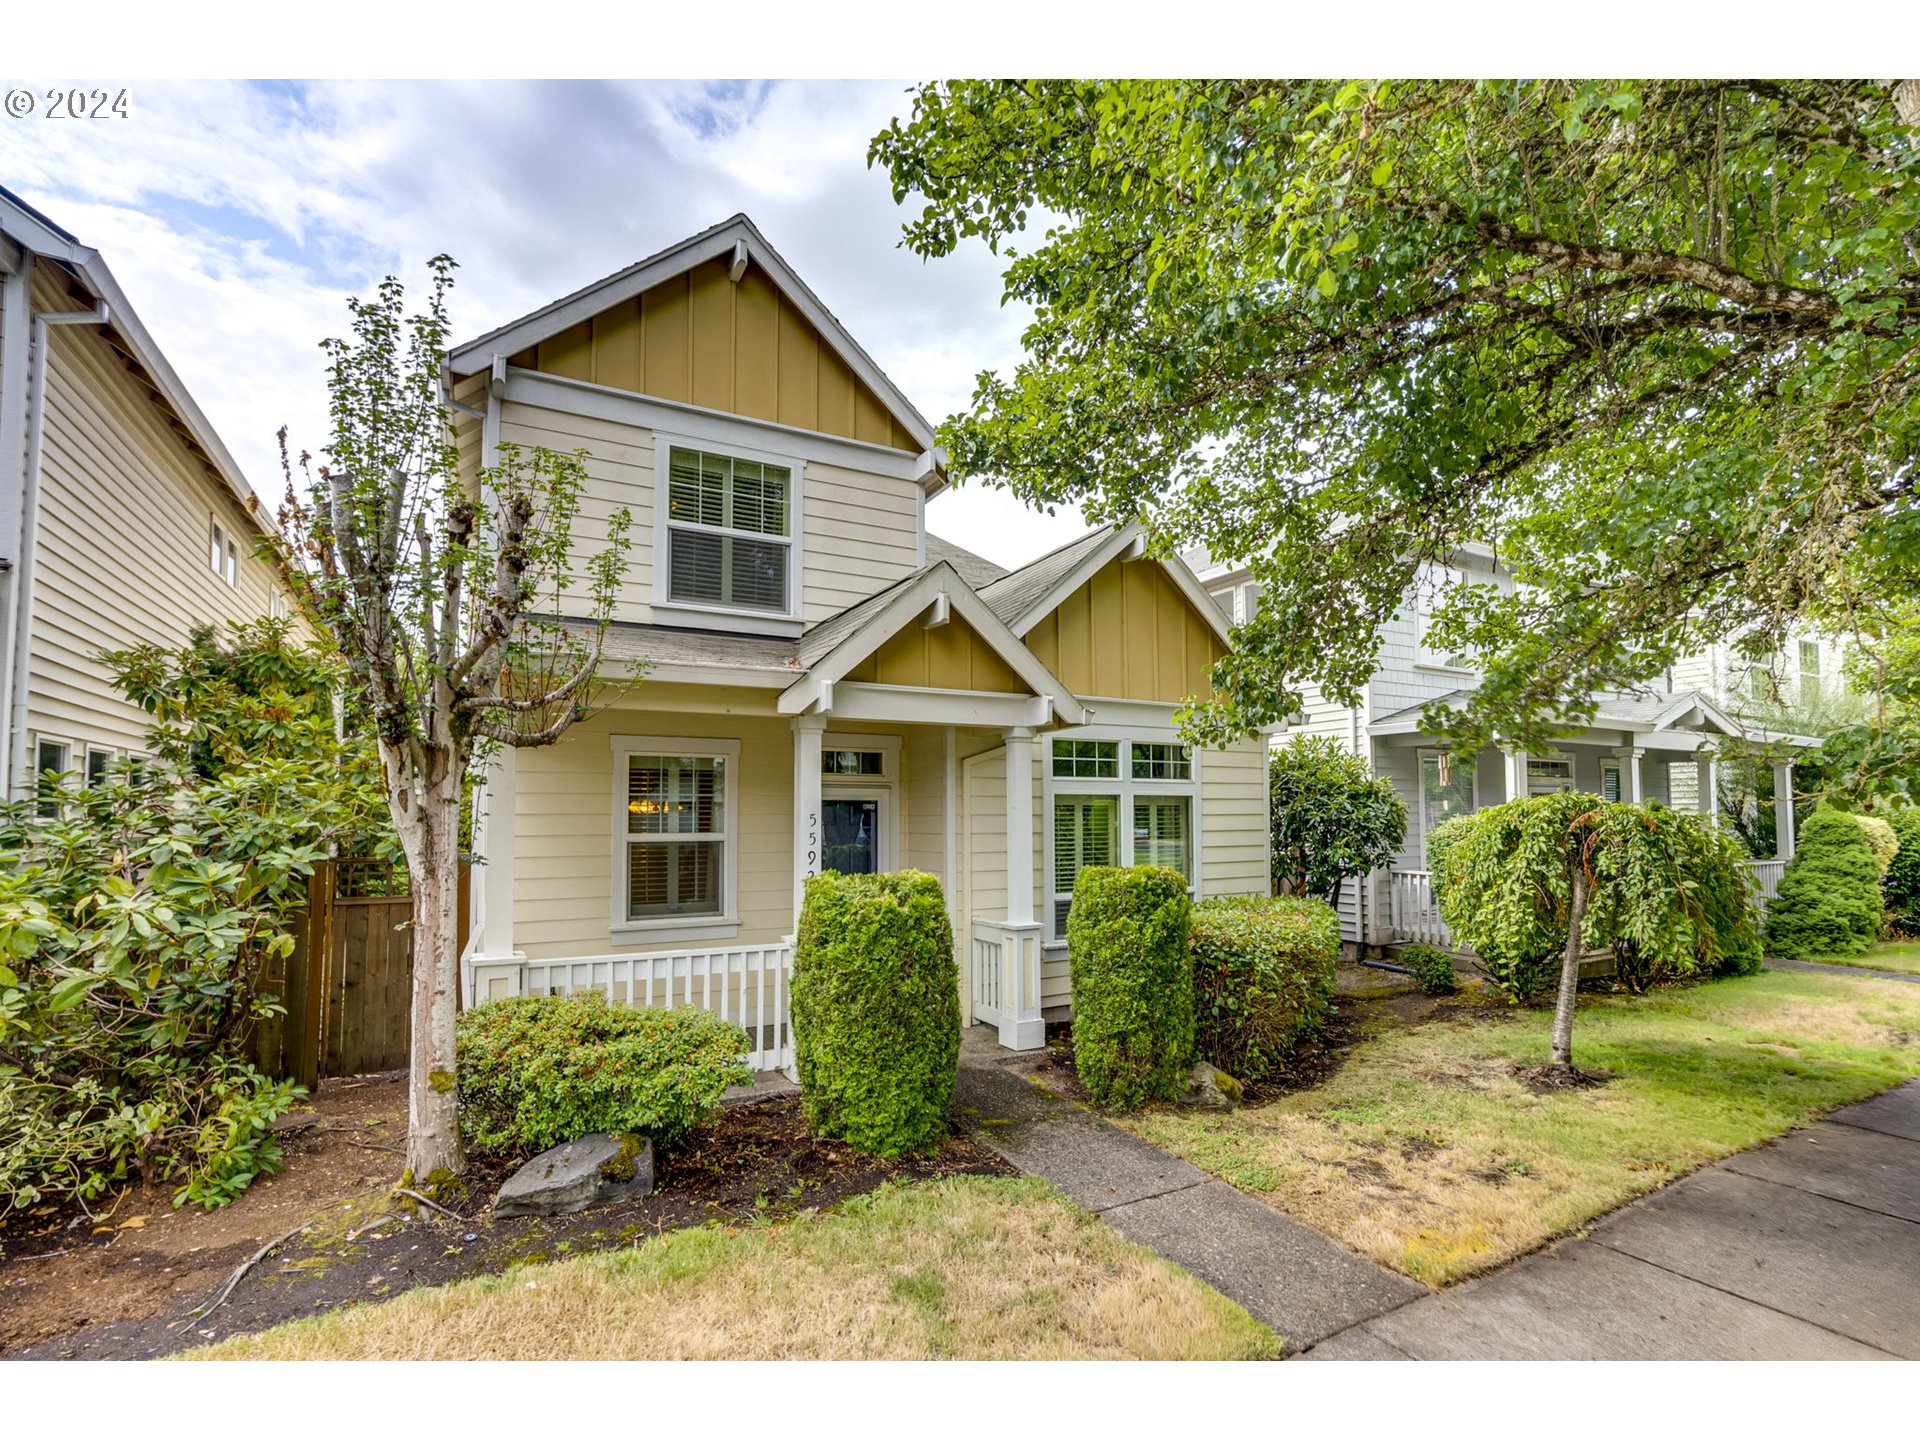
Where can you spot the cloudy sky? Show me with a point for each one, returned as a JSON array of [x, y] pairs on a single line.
[[238, 216]]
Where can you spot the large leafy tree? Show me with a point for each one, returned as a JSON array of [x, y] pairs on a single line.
[[448, 597], [1658, 341]]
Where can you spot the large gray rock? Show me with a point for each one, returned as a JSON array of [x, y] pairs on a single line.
[[1210, 1089], [593, 1170]]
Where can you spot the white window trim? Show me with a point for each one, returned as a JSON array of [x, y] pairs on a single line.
[[735, 617], [86, 764], [1428, 586], [724, 926], [223, 552], [69, 779], [1558, 757], [1420, 781], [1125, 789]]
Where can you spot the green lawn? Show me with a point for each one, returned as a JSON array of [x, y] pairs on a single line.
[[1426, 1152], [963, 1268], [1900, 955]]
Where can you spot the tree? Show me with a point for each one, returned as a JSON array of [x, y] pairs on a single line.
[[1637, 334], [456, 603], [1829, 901], [1331, 818], [1569, 872]]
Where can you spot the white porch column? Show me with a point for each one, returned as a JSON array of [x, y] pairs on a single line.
[[495, 961], [1020, 826], [1514, 764], [1707, 803], [1021, 1025], [807, 730], [1784, 834], [1629, 758]]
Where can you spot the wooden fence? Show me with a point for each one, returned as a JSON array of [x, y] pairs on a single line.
[[347, 985]]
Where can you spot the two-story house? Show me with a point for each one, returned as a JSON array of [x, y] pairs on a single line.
[[1659, 742], [123, 519], [824, 685]]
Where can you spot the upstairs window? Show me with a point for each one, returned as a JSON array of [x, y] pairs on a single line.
[[729, 531], [1431, 591], [1809, 670], [223, 553]]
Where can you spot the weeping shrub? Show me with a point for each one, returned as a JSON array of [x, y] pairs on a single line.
[[876, 1010], [1263, 975], [1830, 898], [1132, 983]]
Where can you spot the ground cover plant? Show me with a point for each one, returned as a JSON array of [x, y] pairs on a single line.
[[963, 1268], [1431, 1152]]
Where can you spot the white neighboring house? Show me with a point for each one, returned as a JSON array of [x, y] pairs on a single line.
[[123, 519], [1660, 742]]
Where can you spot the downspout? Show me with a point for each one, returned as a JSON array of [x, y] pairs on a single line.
[[21, 678], [16, 295]]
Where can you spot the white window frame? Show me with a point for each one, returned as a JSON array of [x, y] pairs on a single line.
[[277, 606], [1555, 757], [727, 617], [724, 926], [1421, 757], [884, 787], [1619, 768], [223, 552], [1429, 584], [86, 772], [1125, 789], [67, 748]]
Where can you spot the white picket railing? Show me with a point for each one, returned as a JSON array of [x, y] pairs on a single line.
[[1766, 878], [1412, 914], [1006, 981], [746, 984]]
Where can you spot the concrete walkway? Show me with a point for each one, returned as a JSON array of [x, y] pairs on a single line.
[[1302, 1284], [1855, 971], [1805, 1249]]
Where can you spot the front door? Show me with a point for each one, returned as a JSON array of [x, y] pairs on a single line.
[[855, 832]]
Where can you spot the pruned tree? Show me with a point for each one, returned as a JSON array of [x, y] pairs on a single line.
[[1331, 817], [449, 597]]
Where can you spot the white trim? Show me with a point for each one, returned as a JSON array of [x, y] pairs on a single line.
[[919, 705], [626, 931], [713, 615], [686, 673]]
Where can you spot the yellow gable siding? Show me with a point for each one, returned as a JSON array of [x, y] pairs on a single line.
[[702, 340], [1129, 633], [948, 657]]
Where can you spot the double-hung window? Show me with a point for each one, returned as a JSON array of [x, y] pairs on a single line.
[[729, 523], [1117, 802], [1432, 589], [676, 829], [223, 553], [51, 761]]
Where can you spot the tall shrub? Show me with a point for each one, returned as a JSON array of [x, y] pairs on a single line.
[[1331, 818], [1263, 976], [1133, 1020], [876, 1010], [1881, 840], [1829, 901], [1900, 886]]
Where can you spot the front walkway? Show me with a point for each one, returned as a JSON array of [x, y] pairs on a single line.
[[1804, 1249], [1299, 1282]]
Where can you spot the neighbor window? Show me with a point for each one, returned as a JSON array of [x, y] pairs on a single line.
[[676, 836], [1430, 591], [50, 761], [1132, 802], [1446, 789], [223, 553], [728, 530], [1809, 670], [99, 763]]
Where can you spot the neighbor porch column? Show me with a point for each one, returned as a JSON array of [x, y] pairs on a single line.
[[1707, 803], [1514, 763], [1784, 834], [495, 961], [807, 730], [1629, 758]]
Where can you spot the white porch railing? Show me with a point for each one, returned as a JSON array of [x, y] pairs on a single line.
[[1006, 981], [1412, 914], [746, 984], [1766, 878]]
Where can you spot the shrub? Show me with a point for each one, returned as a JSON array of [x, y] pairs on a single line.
[[539, 1070], [1829, 901], [876, 1010], [1900, 886], [1432, 967], [1881, 840], [1263, 974], [1132, 975], [1331, 817]]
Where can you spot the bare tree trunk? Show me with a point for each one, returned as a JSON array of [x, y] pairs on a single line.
[[1570, 968], [430, 835]]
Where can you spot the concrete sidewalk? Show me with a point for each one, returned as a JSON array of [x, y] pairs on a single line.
[[1853, 971], [1807, 1248], [1299, 1282]]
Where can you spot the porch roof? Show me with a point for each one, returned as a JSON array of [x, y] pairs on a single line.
[[1681, 713]]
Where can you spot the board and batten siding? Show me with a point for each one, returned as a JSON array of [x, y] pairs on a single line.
[[1129, 633], [123, 546]]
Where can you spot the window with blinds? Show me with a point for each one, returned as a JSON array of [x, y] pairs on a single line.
[[1162, 835], [728, 530], [676, 835], [1085, 832]]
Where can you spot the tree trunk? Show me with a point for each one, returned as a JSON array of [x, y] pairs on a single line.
[[1570, 968], [430, 835]]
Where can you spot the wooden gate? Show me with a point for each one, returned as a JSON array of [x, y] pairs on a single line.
[[348, 983]]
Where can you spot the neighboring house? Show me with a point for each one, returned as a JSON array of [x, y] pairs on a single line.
[[826, 685], [1656, 743], [123, 519]]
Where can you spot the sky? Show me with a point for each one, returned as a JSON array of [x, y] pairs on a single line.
[[238, 216]]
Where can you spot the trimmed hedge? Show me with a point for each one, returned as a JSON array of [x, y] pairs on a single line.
[[539, 1070], [1829, 901], [1263, 973], [1432, 967], [1900, 886], [1132, 983], [876, 1010]]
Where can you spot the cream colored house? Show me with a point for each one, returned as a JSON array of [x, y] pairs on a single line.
[[825, 684], [123, 519]]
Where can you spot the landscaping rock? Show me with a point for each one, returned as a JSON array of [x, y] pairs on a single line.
[[1210, 1089], [593, 1170]]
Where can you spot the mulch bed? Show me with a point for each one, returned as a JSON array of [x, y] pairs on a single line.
[[1552, 1079], [756, 1163]]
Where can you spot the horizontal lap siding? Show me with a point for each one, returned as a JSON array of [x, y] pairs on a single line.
[[862, 533], [1234, 839], [122, 551]]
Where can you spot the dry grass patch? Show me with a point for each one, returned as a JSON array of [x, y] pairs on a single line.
[[1427, 1153], [964, 1268]]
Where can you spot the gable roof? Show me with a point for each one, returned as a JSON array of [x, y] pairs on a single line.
[[1031, 593], [736, 236], [976, 570], [1687, 710]]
